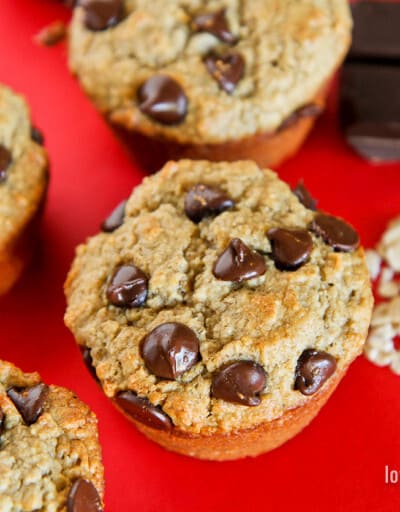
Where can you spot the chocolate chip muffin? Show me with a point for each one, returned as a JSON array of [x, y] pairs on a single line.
[[220, 80], [23, 186], [216, 310], [50, 457]]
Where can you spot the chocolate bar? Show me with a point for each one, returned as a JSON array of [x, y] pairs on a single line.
[[376, 33], [370, 109]]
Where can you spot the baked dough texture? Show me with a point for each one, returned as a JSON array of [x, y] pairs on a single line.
[[271, 319], [40, 462], [290, 50]]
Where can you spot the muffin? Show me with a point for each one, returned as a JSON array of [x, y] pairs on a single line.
[[23, 186], [220, 80], [216, 310], [50, 457]]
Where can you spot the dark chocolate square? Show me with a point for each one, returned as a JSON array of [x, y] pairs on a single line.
[[370, 109]]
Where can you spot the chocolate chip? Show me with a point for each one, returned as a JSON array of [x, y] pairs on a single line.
[[335, 232], [304, 196], [313, 369], [170, 350], [238, 263], [29, 401], [291, 248], [128, 287], [142, 410], [83, 497], [5, 162], [216, 24], [163, 99], [37, 135], [2, 421], [204, 200], [226, 69], [240, 382], [309, 110], [87, 359], [102, 14], [52, 34], [115, 219]]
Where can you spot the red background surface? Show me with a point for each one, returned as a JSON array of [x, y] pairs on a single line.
[[338, 462]]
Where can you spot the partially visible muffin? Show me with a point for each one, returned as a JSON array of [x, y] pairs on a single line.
[[50, 457], [23, 186], [216, 310], [220, 80]]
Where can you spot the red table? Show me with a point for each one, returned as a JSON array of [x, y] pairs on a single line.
[[338, 463]]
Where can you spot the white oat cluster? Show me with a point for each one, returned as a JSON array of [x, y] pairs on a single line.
[[384, 264]]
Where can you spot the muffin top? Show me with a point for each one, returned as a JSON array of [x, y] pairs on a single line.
[[215, 300], [23, 166], [50, 457], [206, 72]]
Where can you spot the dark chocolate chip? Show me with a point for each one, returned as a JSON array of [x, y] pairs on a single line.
[[291, 248], [304, 196], [128, 287], [5, 162], [142, 410], [2, 421], [204, 200], [226, 69], [216, 24], [83, 497], [313, 369], [102, 14], [37, 135], [52, 34], [240, 382], [29, 401], [115, 219], [170, 350], [309, 110], [87, 359], [335, 232], [163, 99], [239, 263]]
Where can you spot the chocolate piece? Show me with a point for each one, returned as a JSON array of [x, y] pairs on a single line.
[[238, 263], [239, 382], [128, 287], [335, 232], [83, 497], [313, 369], [5, 162], [170, 350], [204, 200], [142, 410], [87, 359], [2, 421], [52, 34], [163, 99], [291, 248], [226, 69], [376, 30], [37, 136], [102, 14], [370, 110], [309, 110], [29, 401], [216, 24], [115, 219], [304, 196]]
